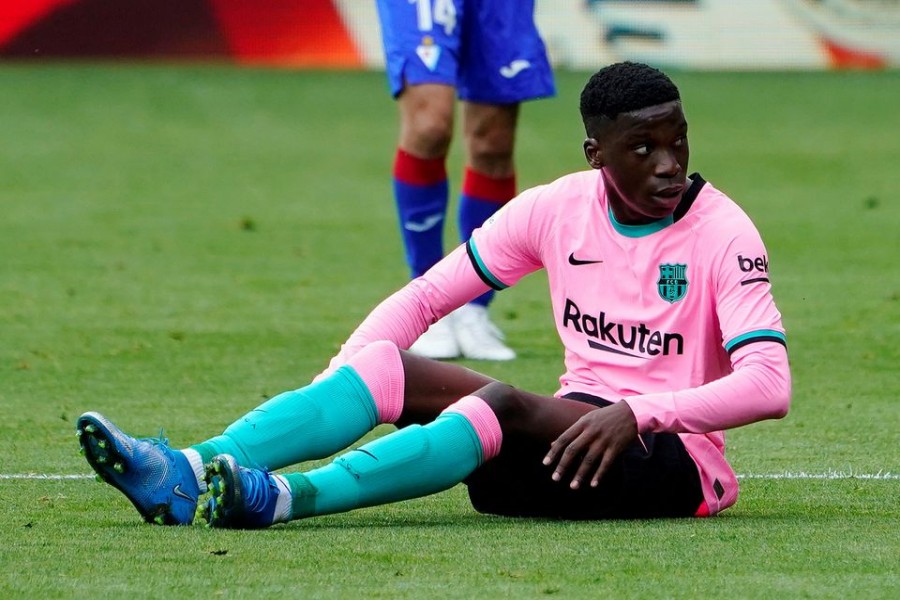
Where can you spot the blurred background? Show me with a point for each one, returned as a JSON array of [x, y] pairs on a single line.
[[581, 34]]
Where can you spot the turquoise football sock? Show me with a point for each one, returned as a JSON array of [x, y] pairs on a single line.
[[313, 422], [409, 463]]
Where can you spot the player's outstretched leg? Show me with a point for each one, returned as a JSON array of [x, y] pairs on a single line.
[[313, 422], [318, 419], [158, 480], [242, 498]]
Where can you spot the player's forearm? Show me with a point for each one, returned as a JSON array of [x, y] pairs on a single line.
[[400, 318], [758, 389], [407, 313]]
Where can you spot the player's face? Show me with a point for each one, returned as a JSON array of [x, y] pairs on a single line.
[[644, 158]]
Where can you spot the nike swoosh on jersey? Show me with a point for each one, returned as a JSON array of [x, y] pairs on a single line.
[[423, 225], [577, 261], [514, 68], [177, 491]]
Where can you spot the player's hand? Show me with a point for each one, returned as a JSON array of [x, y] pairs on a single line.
[[592, 443]]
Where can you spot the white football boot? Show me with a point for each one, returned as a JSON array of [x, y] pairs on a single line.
[[438, 341], [477, 336]]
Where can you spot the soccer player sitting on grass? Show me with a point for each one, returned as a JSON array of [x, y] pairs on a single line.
[[660, 293]]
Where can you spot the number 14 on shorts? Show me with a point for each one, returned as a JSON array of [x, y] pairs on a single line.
[[442, 12]]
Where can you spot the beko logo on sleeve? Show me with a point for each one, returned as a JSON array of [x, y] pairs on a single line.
[[748, 265]]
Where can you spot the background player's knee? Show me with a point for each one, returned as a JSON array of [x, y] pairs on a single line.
[[426, 120]]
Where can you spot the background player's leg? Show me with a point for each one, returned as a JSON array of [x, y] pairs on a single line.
[[421, 191], [420, 175], [489, 182]]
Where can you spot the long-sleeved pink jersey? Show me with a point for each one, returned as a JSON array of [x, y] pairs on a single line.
[[676, 317]]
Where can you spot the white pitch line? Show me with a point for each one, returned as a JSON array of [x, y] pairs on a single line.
[[880, 475], [836, 475], [43, 476]]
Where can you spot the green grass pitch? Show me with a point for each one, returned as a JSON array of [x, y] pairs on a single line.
[[180, 243]]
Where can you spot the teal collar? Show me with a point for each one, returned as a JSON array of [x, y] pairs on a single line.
[[636, 231]]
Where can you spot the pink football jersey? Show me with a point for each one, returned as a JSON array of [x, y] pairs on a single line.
[[647, 310], [676, 318]]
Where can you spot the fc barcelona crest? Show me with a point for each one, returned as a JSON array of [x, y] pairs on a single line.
[[672, 284]]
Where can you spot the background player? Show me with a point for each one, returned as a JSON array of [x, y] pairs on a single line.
[[661, 297], [488, 52]]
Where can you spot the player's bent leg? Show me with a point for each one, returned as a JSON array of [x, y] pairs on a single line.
[[158, 480], [409, 463], [431, 386]]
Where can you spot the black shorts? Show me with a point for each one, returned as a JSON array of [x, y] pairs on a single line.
[[659, 481]]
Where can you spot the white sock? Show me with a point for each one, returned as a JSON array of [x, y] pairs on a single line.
[[283, 504], [196, 463]]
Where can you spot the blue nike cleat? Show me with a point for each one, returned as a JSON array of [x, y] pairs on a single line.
[[159, 481], [239, 498]]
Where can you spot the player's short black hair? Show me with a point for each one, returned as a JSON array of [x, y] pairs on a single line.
[[623, 87]]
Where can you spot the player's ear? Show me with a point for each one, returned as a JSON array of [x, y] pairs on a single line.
[[593, 153]]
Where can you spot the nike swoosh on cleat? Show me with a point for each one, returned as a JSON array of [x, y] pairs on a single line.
[[514, 68], [426, 223], [577, 261], [177, 491]]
